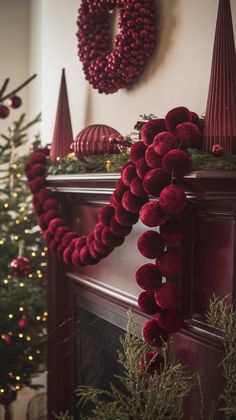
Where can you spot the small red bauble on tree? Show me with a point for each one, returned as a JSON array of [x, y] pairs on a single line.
[[7, 339], [23, 323], [4, 111], [21, 266], [15, 102], [218, 150]]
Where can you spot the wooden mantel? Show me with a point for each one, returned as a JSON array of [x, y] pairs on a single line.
[[208, 253]]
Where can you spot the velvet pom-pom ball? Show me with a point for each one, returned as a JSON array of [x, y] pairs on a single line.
[[50, 204], [153, 334], [118, 229], [151, 128], [152, 215], [177, 162], [98, 231], [147, 304], [85, 256], [105, 215], [171, 321], [55, 223], [132, 203], [151, 362], [151, 244], [109, 239], [120, 187], [188, 135], [137, 151], [172, 199], [168, 296], [60, 232], [124, 217], [136, 187], [128, 173], [142, 168], [47, 235], [170, 264], [172, 231], [101, 249], [164, 142], [38, 157], [152, 158], [194, 118], [67, 238], [44, 194], [148, 277], [38, 170], [155, 180], [36, 184], [67, 255], [176, 116], [52, 214]]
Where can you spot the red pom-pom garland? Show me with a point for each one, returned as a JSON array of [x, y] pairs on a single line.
[[129, 201]]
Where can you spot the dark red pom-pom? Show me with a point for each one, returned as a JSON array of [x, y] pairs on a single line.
[[155, 180], [151, 128], [128, 173], [147, 304], [132, 203], [80, 242], [75, 258], [98, 231], [168, 296], [148, 277], [50, 204], [194, 118], [169, 263], [52, 214], [120, 187], [118, 229], [44, 194], [177, 162], [142, 168], [171, 321], [172, 199], [38, 157], [152, 362], [60, 232], [102, 249], [172, 231], [109, 239], [36, 184], [164, 142], [137, 151], [136, 187], [47, 236], [124, 217], [152, 215], [105, 215], [93, 252], [176, 116], [67, 255], [85, 256], [41, 222], [188, 135], [152, 158], [153, 334], [151, 244], [89, 238], [38, 170], [67, 238], [55, 223]]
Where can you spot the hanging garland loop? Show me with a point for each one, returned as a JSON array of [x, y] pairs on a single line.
[[106, 68]]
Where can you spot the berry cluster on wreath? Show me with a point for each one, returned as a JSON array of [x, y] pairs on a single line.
[[147, 189]]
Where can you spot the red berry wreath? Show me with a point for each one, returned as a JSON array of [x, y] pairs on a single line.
[[147, 173], [109, 69]]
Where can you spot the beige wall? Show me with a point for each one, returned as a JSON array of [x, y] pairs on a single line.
[[178, 73]]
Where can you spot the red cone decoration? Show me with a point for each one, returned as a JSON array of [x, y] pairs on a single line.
[[220, 123], [62, 136]]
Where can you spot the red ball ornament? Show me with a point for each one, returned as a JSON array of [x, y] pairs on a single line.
[[170, 264], [153, 334], [218, 150], [168, 296], [153, 160], [137, 151], [131, 202], [4, 111], [7, 339], [152, 362], [164, 142], [23, 323], [177, 162], [128, 173], [15, 101], [171, 321], [105, 215], [151, 128], [152, 215], [21, 266], [136, 187], [172, 231], [172, 199], [124, 217], [142, 168], [188, 135], [150, 244], [148, 277], [155, 180], [176, 116], [118, 229], [147, 304]]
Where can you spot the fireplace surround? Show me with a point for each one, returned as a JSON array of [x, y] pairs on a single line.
[[108, 289]]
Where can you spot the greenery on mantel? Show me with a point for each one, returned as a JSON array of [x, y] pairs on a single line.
[[70, 164]]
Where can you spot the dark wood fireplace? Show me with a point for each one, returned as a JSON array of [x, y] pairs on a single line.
[[106, 291]]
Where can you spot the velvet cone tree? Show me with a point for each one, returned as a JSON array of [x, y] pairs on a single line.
[[22, 255]]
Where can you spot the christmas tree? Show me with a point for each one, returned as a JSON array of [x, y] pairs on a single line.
[[22, 255]]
